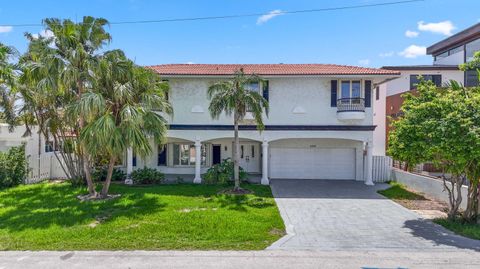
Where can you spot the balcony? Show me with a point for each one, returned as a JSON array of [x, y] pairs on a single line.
[[351, 109]]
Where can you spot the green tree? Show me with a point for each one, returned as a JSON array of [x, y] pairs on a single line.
[[7, 84], [124, 109], [441, 125], [234, 97], [57, 71]]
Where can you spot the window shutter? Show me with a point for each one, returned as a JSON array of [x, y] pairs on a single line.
[[333, 93], [368, 93], [265, 90], [162, 155]]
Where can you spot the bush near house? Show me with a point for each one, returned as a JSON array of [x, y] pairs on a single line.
[[13, 167], [100, 174], [147, 176], [222, 173]]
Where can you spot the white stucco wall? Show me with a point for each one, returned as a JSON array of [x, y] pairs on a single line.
[[402, 84], [293, 101], [379, 112]]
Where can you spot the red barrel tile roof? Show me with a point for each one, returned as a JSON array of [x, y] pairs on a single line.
[[266, 69]]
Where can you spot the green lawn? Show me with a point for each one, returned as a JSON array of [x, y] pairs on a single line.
[[470, 230], [49, 217], [398, 192]]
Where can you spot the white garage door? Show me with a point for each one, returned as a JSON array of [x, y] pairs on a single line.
[[312, 163]]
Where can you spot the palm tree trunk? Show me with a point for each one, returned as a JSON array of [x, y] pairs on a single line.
[[106, 185], [236, 154], [83, 151]]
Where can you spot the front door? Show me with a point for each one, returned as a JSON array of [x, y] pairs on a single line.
[[250, 157], [216, 154]]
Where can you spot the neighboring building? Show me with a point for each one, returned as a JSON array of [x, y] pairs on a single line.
[[458, 49], [447, 54], [320, 124], [388, 96]]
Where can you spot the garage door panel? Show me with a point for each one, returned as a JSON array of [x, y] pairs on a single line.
[[313, 163]]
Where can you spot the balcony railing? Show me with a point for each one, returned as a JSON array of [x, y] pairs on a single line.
[[351, 105]]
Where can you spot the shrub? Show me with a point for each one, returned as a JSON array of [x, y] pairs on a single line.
[[13, 167], [222, 173], [100, 174], [147, 176]]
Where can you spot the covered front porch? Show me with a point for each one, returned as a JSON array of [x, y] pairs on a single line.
[[310, 155]]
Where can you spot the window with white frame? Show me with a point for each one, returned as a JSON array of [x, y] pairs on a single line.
[[350, 90], [184, 154], [254, 86]]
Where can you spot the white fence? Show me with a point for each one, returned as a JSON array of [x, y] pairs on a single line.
[[382, 168], [43, 168]]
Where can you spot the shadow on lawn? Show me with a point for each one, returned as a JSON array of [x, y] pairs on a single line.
[[44, 205], [193, 190], [439, 235]]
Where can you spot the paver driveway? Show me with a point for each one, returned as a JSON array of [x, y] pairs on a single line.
[[325, 215]]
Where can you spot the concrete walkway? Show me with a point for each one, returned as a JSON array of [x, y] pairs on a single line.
[[348, 215], [238, 259]]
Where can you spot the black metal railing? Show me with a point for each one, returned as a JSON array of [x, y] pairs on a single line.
[[351, 105]]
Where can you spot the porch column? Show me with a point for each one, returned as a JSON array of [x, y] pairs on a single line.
[[369, 179], [198, 162], [129, 166], [265, 180]]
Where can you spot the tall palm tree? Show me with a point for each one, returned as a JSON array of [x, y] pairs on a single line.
[[234, 97], [8, 77], [62, 65], [122, 111]]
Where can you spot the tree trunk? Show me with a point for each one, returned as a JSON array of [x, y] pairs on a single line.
[[106, 185], [470, 213], [83, 151], [236, 154], [88, 176], [454, 191]]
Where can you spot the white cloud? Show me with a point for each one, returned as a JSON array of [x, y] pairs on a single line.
[[44, 33], [443, 27], [270, 15], [411, 34], [364, 62], [413, 51], [386, 54], [5, 29], [190, 63]]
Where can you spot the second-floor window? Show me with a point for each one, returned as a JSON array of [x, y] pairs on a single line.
[[414, 80], [253, 87], [350, 89]]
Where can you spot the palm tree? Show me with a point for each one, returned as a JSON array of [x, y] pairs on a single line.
[[122, 111], [61, 67], [234, 97], [8, 79]]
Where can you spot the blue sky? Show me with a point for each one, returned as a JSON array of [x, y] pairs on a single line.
[[372, 37]]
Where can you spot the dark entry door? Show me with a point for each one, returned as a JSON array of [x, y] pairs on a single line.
[[216, 159]]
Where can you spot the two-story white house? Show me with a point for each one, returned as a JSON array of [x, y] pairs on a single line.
[[320, 124]]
